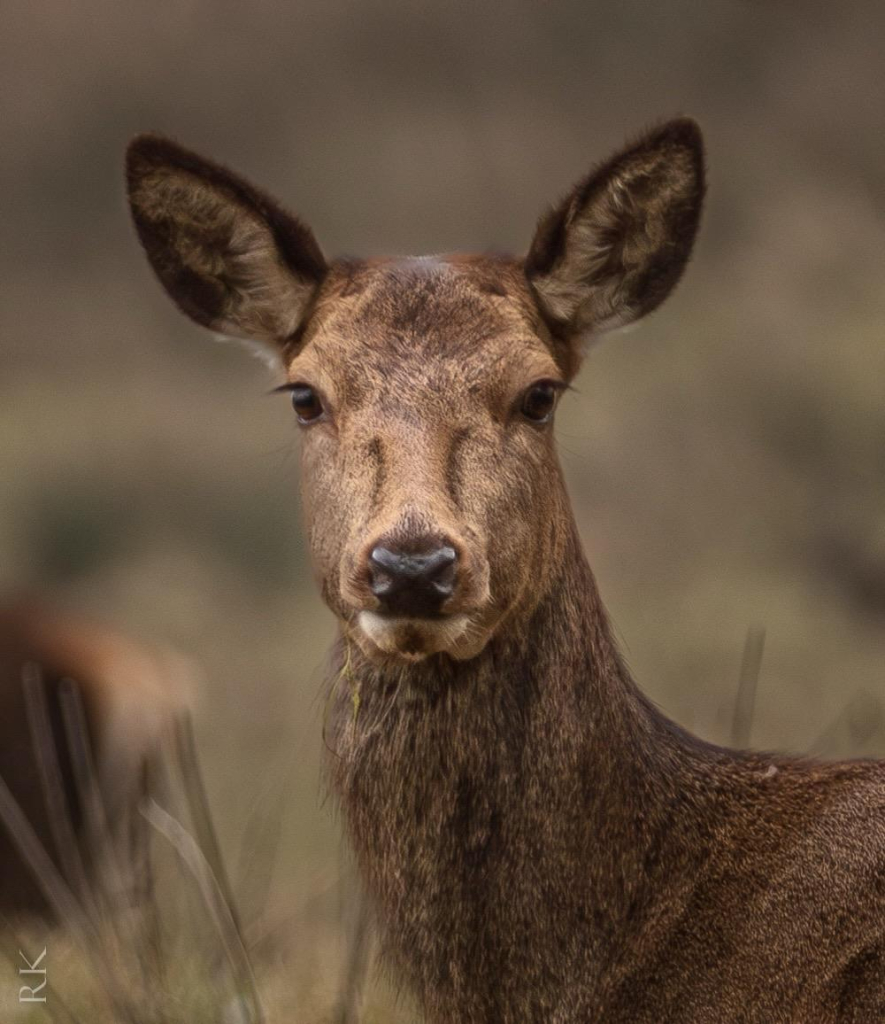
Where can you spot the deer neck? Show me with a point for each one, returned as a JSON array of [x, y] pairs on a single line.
[[533, 776]]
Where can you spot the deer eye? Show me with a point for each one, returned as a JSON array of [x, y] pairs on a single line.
[[307, 403], [539, 401]]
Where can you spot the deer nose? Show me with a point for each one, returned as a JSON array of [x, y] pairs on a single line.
[[412, 583]]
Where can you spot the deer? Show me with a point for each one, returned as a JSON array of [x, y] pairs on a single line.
[[539, 841], [83, 714]]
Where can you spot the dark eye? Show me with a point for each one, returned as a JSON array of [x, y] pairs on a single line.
[[306, 403], [539, 401]]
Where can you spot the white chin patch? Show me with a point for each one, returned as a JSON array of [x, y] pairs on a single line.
[[414, 639]]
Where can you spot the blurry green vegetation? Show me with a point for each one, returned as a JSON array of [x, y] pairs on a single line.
[[75, 529]]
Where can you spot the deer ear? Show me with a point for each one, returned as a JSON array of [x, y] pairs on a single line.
[[227, 254], [616, 246]]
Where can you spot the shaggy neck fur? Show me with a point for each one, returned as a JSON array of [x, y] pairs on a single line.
[[530, 791]]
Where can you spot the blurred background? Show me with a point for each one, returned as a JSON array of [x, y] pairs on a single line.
[[726, 457]]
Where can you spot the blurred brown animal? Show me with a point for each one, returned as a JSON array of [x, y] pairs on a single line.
[[542, 844], [128, 694]]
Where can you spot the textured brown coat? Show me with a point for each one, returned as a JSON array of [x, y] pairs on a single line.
[[541, 843]]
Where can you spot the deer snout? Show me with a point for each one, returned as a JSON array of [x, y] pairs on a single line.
[[413, 582]]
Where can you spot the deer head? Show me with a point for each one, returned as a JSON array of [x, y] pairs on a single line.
[[425, 388]]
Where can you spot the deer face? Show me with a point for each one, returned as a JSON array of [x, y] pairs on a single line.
[[426, 391], [425, 388]]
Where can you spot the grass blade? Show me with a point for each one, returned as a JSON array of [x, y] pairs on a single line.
[[745, 702], [220, 911]]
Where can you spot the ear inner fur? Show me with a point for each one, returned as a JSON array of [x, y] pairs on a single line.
[[227, 253], [617, 245]]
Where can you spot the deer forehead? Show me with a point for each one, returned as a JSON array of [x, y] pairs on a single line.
[[424, 330]]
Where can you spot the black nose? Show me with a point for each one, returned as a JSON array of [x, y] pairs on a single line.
[[412, 582]]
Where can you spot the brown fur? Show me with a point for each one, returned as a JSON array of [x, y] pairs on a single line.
[[129, 693], [541, 843]]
